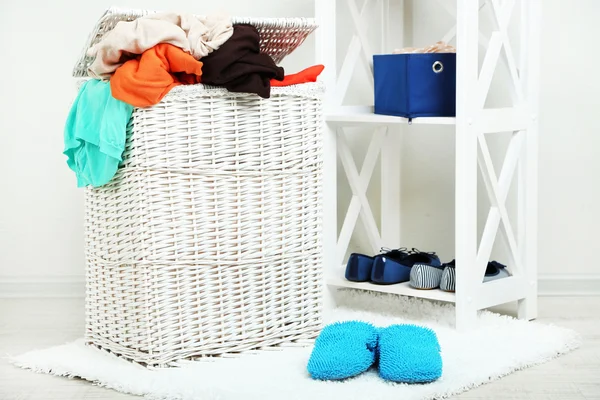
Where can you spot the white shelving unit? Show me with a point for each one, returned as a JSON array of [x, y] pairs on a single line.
[[472, 123]]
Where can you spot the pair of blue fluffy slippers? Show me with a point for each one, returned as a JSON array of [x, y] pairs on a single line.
[[403, 353]]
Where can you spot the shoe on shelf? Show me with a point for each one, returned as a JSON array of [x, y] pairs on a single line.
[[448, 281], [388, 270], [426, 276], [494, 271], [360, 266]]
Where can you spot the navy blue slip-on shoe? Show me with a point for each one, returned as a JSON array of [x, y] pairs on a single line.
[[494, 271], [388, 271], [358, 268]]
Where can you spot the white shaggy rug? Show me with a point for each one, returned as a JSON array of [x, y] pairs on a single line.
[[498, 346]]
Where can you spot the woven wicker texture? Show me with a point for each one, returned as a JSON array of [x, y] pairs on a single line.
[[207, 241], [278, 36]]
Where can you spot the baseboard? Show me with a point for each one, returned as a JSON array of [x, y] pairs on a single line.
[[569, 285], [74, 286], [42, 286]]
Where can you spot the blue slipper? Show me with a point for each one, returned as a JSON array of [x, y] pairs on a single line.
[[409, 354], [343, 350], [387, 271], [359, 267]]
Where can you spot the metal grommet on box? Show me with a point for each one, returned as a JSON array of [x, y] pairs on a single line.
[[437, 67]]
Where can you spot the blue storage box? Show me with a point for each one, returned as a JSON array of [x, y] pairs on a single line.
[[415, 85]]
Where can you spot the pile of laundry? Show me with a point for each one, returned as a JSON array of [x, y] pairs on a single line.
[[138, 62]]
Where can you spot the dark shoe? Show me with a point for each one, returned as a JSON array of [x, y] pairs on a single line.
[[360, 266], [388, 270], [494, 271]]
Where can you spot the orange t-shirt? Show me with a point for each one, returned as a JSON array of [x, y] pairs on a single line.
[[144, 81], [309, 74]]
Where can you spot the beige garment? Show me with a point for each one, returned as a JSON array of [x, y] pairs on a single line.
[[198, 36], [439, 47]]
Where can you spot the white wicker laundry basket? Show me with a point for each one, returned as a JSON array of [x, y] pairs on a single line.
[[278, 36], [207, 242]]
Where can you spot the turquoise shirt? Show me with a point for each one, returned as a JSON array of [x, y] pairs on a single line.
[[95, 134]]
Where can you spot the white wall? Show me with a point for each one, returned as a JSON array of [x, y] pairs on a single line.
[[570, 138], [41, 210]]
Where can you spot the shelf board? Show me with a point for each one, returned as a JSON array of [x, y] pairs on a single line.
[[355, 115], [403, 289]]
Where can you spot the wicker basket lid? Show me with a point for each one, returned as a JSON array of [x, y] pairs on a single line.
[[278, 36]]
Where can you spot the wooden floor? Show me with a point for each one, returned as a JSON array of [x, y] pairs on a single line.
[[26, 324]]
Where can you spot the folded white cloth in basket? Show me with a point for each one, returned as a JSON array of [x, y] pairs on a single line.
[[198, 36], [438, 47]]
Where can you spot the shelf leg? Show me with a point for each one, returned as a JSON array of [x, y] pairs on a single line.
[[528, 172], [466, 315], [466, 162]]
